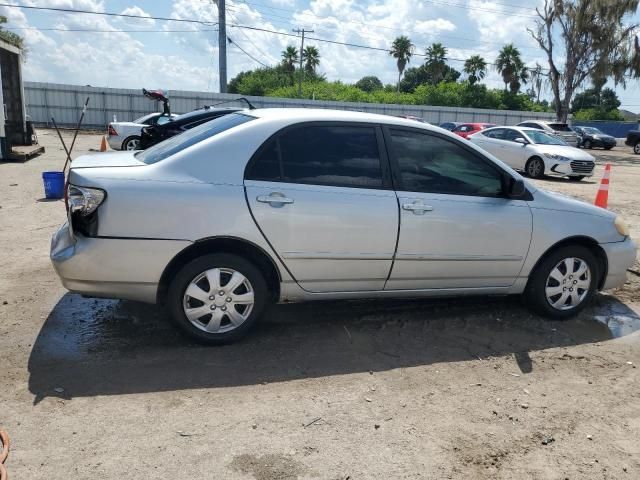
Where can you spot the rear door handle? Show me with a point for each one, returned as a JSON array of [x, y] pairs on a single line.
[[417, 208], [275, 199]]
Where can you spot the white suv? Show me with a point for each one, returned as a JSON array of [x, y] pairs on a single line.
[[559, 129]]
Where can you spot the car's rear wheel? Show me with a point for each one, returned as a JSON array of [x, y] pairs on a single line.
[[217, 298], [535, 167], [563, 283], [587, 144], [636, 148], [131, 143]]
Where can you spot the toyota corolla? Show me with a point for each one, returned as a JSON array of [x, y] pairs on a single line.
[[281, 205]]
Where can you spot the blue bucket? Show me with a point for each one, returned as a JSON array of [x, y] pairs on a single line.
[[53, 184]]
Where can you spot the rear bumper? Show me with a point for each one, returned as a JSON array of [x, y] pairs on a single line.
[[620, 257], [115, 142], [111, 268]]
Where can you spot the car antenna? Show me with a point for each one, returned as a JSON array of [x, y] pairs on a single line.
[[251, 107]]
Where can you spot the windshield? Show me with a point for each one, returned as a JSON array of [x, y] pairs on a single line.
[[592, 131], [186, 139], [541, 138]]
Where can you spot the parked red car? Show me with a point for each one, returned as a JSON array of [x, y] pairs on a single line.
[[467, 129]]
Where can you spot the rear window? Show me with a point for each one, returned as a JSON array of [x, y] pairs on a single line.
[[188, 138], [560, 127]]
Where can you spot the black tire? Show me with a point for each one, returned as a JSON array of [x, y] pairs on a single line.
[[133, 140], [576, 178], [608, 147], [178, 287], [587, 144], [636, 148], [535, 292], [531, 170]]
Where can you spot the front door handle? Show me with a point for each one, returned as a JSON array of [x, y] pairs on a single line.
[[275, 199], [417, 208]]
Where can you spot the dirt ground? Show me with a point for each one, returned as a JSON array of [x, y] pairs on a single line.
[[473, 388]]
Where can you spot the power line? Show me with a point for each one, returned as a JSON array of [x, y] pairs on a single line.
[[232, 42], [75, 30], [107, 14]]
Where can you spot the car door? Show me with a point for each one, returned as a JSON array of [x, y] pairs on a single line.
[[321, 194], [490, 140], [514, 153], [457, 228]]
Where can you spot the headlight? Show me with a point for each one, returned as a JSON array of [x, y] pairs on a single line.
[[554, 156], [84, 200], [621, 227]]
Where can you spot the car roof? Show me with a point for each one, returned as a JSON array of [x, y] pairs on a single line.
[[297, 115]]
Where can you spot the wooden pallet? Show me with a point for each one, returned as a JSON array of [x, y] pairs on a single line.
[[22, 153]]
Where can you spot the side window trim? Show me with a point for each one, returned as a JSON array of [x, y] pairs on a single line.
[[395, 167], [275, 137]]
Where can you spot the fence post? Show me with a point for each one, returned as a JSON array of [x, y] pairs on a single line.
[[46, 104]]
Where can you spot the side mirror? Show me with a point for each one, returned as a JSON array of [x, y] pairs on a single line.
[[516, 188], [521, 140]]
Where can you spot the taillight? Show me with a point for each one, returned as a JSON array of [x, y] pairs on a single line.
[[84, 200], [112, 131]]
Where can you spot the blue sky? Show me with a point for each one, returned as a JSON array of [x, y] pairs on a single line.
[[186, 59]]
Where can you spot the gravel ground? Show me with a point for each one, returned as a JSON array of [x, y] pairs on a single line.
[[473, 388]]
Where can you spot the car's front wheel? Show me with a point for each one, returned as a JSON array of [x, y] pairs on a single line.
[[587, 144], [217, 298], [563, 283], [636, 148], [535, 167]]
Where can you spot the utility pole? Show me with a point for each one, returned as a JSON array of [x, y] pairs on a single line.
[[301, 73], [222, 45]]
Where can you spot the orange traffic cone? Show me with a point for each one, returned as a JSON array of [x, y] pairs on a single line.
[[603, 192], [103, 144]]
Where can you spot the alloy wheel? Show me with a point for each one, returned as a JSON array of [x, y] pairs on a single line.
[[568, 283], [535, 168], [636, 148], [218, 300], [133, 144]]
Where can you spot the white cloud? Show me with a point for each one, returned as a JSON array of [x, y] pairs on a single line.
[[137, 11]]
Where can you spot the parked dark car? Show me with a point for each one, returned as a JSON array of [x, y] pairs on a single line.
[[633, 140], [157, 133], [590, 137], [450, 125]]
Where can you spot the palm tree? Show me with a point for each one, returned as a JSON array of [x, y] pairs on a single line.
[[401, 49], [311, 58], [289, 60], [476, 67], [436, 58], [512, 68]]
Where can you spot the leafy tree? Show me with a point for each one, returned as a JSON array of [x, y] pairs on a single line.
[[369, 84], [12, 38], [311, 58], [605, 100], [586, 38], [513, 70], [401, 50], [597, 114], [423, 75], [436, 62], [289, 59], [476, 68]]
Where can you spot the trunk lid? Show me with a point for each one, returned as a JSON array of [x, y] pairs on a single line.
[[107, 159]]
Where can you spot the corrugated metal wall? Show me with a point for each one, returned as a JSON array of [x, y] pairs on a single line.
[[64, 103]]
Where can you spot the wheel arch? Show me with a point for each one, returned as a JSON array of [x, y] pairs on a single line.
[[585, 241], [249, 250], [129, 137]]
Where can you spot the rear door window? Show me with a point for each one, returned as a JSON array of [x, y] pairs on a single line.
[[336, 155], [495, 133]]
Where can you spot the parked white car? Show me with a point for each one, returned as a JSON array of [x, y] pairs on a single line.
[[535, 152], [283, 204], [126, 135]]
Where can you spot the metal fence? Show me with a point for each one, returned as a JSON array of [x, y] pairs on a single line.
[[64, 103]]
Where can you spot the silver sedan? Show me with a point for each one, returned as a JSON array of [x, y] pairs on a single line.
[[298, 204]]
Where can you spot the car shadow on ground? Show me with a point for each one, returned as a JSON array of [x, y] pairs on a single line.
[[589, 181], [104, 347]]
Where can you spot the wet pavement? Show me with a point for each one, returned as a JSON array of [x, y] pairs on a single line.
[[108, 347]]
